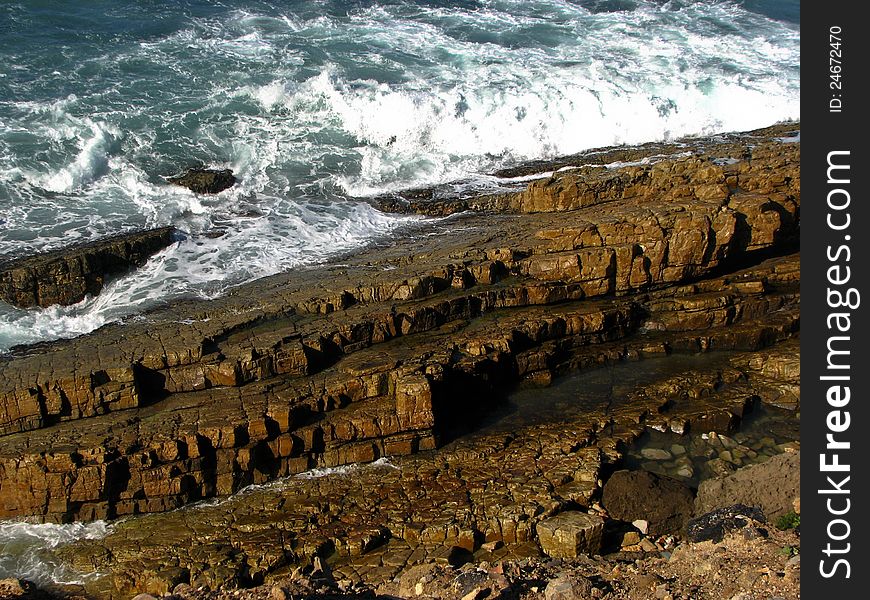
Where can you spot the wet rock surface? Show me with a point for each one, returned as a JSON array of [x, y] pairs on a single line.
[[67, 275], [205, 181], [402, 351]]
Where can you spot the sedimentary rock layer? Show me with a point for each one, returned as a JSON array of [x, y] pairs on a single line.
[[377, 355], [67, 275], [487, 490]]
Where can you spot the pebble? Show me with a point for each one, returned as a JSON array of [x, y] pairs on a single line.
[[678, 450], [641, 525], [686, 472], [656, 454]]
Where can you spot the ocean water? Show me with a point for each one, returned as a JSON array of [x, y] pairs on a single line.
[[315, 104], [25, 550]]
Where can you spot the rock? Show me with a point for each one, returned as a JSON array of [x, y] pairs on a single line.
[[656, 454], [455, 556], [641, 525], [715, 524], [205, 181], [719, 467], [770, 486], [685, 471], [67, 275], [570, 534], [630, 538], [12, 588], [391, 351], [277, 593], [665, 503], [568, 587], [144, 597]]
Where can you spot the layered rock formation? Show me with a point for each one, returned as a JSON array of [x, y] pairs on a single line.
[[67, 275], [396, 351]]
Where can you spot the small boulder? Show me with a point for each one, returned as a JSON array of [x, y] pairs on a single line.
[[205, 181], [570, 534], [714, 525], [665, 503]]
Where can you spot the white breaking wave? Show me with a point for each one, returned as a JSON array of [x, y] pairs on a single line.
[[345, 469], [311, 109], [91, 162], [23, 549]]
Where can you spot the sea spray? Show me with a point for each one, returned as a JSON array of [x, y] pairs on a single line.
[[24, 546], [314, 105]]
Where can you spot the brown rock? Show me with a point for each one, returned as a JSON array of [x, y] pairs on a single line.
[[570, 534], [771, 486], [11, 588], [67, 275], [568, 587], [665, 503]]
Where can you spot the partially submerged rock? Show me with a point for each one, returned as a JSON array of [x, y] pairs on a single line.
[[205, 181], [67, 275]]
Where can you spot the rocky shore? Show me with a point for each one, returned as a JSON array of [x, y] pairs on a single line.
[[406, 350], [67, 275]]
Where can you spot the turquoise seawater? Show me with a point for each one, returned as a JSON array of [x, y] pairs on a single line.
[[315, 104]]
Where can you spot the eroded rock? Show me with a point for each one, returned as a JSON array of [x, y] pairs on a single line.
[[67, 275], [205, 181], [771, 486], [665, 503], [571, 534]]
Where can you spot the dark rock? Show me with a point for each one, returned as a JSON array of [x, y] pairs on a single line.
[[67, 275], [715, 524], [568, 586], [205, 181], [771, 486], [664, 502]]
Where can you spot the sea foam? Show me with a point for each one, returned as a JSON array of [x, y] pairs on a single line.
[[24, 550], [313, 107]]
